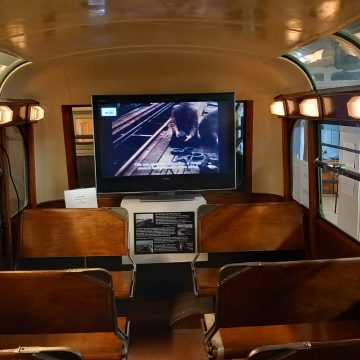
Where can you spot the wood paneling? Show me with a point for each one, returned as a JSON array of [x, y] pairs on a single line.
[[333, 243]]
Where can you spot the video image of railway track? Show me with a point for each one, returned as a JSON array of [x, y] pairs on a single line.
[[165, 139]]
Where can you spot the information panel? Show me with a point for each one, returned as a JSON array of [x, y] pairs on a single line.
[[164, 232]]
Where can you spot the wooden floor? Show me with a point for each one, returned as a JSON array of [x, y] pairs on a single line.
[[165, 315], [176, 344]]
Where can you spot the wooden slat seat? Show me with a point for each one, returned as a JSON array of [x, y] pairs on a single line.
[[327, 350], [250, 227], [61, 233], [260, 304], [73, 308], [37, 352]]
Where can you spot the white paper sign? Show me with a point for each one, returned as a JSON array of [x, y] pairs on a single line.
[[347, 185], [300, 181], [348, 157], [81, 198]]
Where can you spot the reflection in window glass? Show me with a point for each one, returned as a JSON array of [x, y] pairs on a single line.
[[299, 163], [84, 145], [7, 63], [353, 29], [339, 195], [331, 62], [330, 141], [240, 115], [17, 155]]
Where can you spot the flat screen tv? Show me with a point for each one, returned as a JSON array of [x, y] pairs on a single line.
[[164, 143]]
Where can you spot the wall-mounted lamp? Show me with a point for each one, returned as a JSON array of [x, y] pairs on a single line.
[[309, 107], [6, 114], [277, 108], [36, 113], [353, 107]]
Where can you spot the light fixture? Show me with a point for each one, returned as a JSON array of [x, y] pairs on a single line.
[[277, 108], [353, 107], [6, 114], [36, 113], [309, 107]]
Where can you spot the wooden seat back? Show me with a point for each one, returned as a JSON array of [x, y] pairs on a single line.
[[37, 352], [72, 233], [57, 301], [333, 350], [289, 292], [250, 227]]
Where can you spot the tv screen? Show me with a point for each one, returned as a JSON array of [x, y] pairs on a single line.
[[156, 143]]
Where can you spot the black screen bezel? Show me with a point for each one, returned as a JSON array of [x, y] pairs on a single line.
[[168, 183]]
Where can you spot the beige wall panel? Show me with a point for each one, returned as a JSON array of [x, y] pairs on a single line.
[[267, 129], [49, 86], [75, 80], [267, 149]]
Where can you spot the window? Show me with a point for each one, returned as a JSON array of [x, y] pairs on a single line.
[[339, 177], [329, 149], [353, 30], [239, 123], [8, 63], [331, 62], [299, 163], [84, 145]]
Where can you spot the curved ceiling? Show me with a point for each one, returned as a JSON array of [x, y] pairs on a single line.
[[45, 30]]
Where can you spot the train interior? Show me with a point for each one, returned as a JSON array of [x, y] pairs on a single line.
[[90, 92]]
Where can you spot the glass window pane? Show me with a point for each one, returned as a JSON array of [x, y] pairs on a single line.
[[239, 119], [17, 155], [330, 140], [339, 195], [353, 29], [331, 62], [8, 62], [299, 163], [84, 145]]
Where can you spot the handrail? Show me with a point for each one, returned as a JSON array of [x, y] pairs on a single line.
[[338, 169]]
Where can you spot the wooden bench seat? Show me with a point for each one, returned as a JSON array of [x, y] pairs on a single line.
[[238, 342], [261, 304], [71, 308], [61, 233], [37, 352], [325, 350], [91, 345], [238, 228]]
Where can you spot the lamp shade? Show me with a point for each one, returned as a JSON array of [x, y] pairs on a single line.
[[277, 108], [36, 113], [353, 107], [309, 107], [6, 114]]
